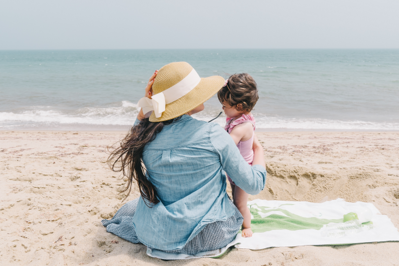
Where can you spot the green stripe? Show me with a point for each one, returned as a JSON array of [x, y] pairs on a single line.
[[291, 221]]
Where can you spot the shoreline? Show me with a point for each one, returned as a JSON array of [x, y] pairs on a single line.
[[260, 130]]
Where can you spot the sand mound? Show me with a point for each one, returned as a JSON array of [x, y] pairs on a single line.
[[323, 166], [288, 182]]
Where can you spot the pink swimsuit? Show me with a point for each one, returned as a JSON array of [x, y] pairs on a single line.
[[245, 147]]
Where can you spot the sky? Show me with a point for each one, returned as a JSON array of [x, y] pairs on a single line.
[[203, 24]]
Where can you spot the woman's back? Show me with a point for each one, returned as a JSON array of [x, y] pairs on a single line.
[[185, 169], [185, 164], [182, 160]]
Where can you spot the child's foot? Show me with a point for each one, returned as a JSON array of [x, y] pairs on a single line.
[[246, 232]]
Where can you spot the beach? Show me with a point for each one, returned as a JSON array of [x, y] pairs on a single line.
[[56, 187]]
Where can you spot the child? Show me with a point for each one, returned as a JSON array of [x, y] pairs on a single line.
[[238, 97]]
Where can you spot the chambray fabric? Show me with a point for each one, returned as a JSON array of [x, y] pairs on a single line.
[[186, 164], [214, 235]]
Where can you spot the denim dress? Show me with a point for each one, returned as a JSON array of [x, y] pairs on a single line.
[[186, 163]]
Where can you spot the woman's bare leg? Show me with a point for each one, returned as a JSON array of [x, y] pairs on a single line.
[[240, 200]]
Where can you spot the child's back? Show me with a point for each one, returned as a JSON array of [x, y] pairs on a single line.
[[247, 123], [238, 97]]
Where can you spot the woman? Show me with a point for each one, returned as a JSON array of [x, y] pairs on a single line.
[[179, 163]]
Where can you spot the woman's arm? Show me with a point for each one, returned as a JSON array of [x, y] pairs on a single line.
[[251, 179], [148, 94]]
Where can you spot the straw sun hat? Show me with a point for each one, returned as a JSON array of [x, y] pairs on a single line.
[[178, 89]]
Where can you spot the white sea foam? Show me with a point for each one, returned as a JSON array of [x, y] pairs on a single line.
[[265, 122], [322, 124], [124, 114]]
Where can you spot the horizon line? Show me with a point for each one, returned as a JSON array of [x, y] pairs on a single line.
[[128, 49]]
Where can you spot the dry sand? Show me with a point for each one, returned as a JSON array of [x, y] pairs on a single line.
[[56, 187]]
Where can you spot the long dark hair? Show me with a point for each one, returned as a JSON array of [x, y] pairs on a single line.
[[127, 158]]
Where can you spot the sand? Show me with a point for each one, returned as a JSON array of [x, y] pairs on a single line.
[[56, 188]]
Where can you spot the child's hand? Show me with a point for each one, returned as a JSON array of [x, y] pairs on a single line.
[[148, 89]]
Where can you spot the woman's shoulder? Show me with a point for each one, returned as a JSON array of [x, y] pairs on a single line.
[[185, 132], [204, 130], [191, 122], [210, 130]]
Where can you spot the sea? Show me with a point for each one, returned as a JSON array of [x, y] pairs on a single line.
[[347, 90]]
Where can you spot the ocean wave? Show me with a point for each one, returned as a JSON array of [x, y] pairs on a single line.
[[322, 124], [125, 112], [265, 122]]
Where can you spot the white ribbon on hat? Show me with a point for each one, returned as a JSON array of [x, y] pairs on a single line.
[[158, 101]]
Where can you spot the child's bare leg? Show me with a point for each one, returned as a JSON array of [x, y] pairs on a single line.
[[240, 200], [233, 187]]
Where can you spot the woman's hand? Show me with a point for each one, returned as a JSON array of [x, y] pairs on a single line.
[[148, 89], [148, 93], [259, 157], [256, 144]]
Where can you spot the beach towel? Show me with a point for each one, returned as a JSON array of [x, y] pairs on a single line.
[[300, 223]]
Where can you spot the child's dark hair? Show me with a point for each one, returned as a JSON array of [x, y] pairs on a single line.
[[240, 89]]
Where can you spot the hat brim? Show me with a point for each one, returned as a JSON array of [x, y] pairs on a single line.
[[200, 94]]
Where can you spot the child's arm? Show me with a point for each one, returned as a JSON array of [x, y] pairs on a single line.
[[240, 132]]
